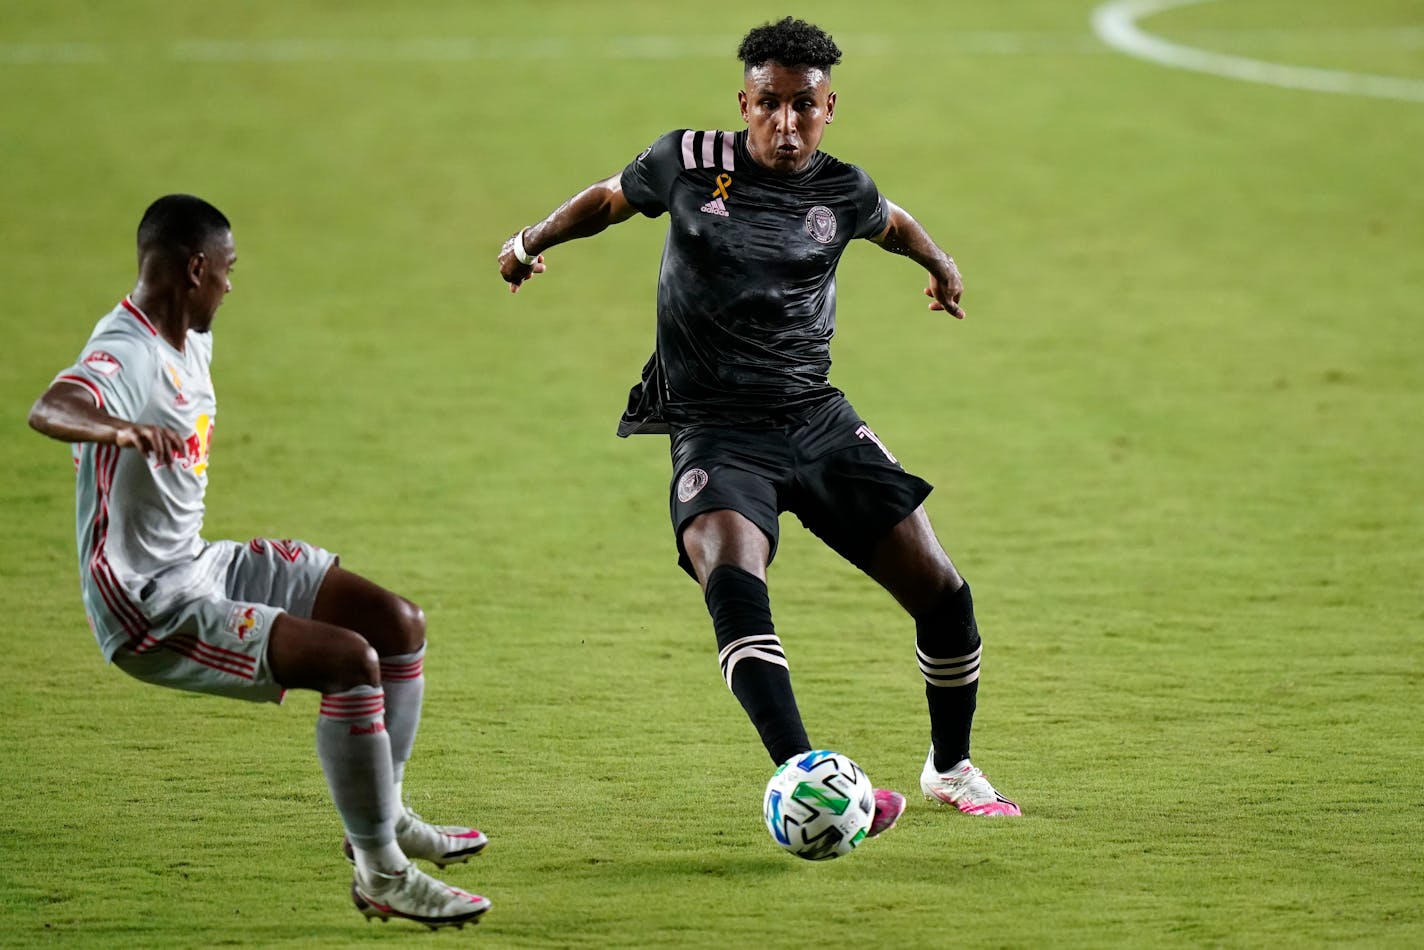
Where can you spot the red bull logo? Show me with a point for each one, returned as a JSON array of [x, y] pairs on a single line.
[[194, 457], [242, 621]]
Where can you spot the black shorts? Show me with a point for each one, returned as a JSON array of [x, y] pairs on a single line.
[[826, 467]]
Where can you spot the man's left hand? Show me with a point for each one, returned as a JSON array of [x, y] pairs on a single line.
[[945, 289]]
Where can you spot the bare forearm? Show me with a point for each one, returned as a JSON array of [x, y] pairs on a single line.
[[903, 235], [907, 237], [584, 215], [68, 414]]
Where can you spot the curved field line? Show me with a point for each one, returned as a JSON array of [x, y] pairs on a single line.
[[1116, 25]]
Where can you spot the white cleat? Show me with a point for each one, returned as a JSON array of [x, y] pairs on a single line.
[[439, 844], [415, 895], [966, 788]]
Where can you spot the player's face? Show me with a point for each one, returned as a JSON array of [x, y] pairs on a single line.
[[786, 109], [215, 279]]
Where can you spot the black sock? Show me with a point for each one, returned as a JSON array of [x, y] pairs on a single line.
[[947, 642], [753, 663]]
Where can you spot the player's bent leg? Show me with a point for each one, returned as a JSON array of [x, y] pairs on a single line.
[[389, 622], [912, 566], [321, 656], [395, 627], [729, 554], [354, 749], [351, 741]]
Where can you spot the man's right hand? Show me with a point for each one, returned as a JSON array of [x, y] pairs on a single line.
[[512, 270], [162, 444]]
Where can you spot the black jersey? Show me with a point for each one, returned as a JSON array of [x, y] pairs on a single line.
[[747, 290]]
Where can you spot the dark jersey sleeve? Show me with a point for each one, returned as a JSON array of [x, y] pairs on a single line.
[[871, 213], [648, 178]]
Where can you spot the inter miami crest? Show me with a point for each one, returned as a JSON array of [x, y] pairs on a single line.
[[821, 224], [690, 484]]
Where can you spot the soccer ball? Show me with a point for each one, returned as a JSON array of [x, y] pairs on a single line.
[[818, 805]]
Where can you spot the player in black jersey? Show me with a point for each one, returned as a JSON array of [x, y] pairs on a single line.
[[746, 309]]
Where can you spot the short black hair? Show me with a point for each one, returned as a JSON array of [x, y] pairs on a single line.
[[179, 225], [789, 42]]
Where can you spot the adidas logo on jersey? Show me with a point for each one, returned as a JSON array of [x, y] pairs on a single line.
[[715, 206]]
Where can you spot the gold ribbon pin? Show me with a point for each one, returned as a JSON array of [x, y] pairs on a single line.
[[722, 182]]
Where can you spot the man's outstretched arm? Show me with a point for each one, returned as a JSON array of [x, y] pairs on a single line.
[[584, 215], [904, 235], [67, 412]]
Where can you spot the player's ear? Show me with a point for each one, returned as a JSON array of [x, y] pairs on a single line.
[[197, 267], [830, 107], [742, 102]]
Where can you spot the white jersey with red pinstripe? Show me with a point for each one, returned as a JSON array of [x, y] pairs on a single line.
[[139, 523]]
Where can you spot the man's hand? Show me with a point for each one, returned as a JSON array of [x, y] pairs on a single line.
[[510, 268], [903, 235], [163, 444], [945, 289]]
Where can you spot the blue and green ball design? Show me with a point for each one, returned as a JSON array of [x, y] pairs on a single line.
[[818, 805]]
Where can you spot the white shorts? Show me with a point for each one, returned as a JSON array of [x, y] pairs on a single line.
[[216, 640]]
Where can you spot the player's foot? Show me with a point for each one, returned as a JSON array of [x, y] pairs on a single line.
[[416, 896], [889, 805], [966, 788], [440, 844]]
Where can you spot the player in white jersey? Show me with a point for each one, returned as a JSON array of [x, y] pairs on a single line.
[[243, 620]]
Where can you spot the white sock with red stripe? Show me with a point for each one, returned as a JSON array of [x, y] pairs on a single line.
[[403, 677], [355, 754]]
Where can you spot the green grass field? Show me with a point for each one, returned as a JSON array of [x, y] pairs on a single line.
[[1177, 444]]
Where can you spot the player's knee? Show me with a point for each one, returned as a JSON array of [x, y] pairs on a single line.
[[947, 622], [932, 593], [409, 625], [356, 665]]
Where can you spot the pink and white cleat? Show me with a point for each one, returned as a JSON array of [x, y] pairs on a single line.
[[889, 804], [966, 788], [416, 896]]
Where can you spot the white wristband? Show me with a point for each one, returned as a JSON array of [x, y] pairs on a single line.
[[521, 255]]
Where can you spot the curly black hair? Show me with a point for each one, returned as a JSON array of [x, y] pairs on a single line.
[[789, 42]]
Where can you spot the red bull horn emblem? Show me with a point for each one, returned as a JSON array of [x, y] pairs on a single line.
[[242, 621]]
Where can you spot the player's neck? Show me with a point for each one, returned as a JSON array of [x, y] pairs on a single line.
[[165, 311]]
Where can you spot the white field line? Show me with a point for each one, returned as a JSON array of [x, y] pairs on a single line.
[[459, 49], [516, 48], [1116, 24]]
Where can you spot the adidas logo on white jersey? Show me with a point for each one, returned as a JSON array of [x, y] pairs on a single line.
[[715, 206]]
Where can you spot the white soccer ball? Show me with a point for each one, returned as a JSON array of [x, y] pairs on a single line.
[[818, 805]]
